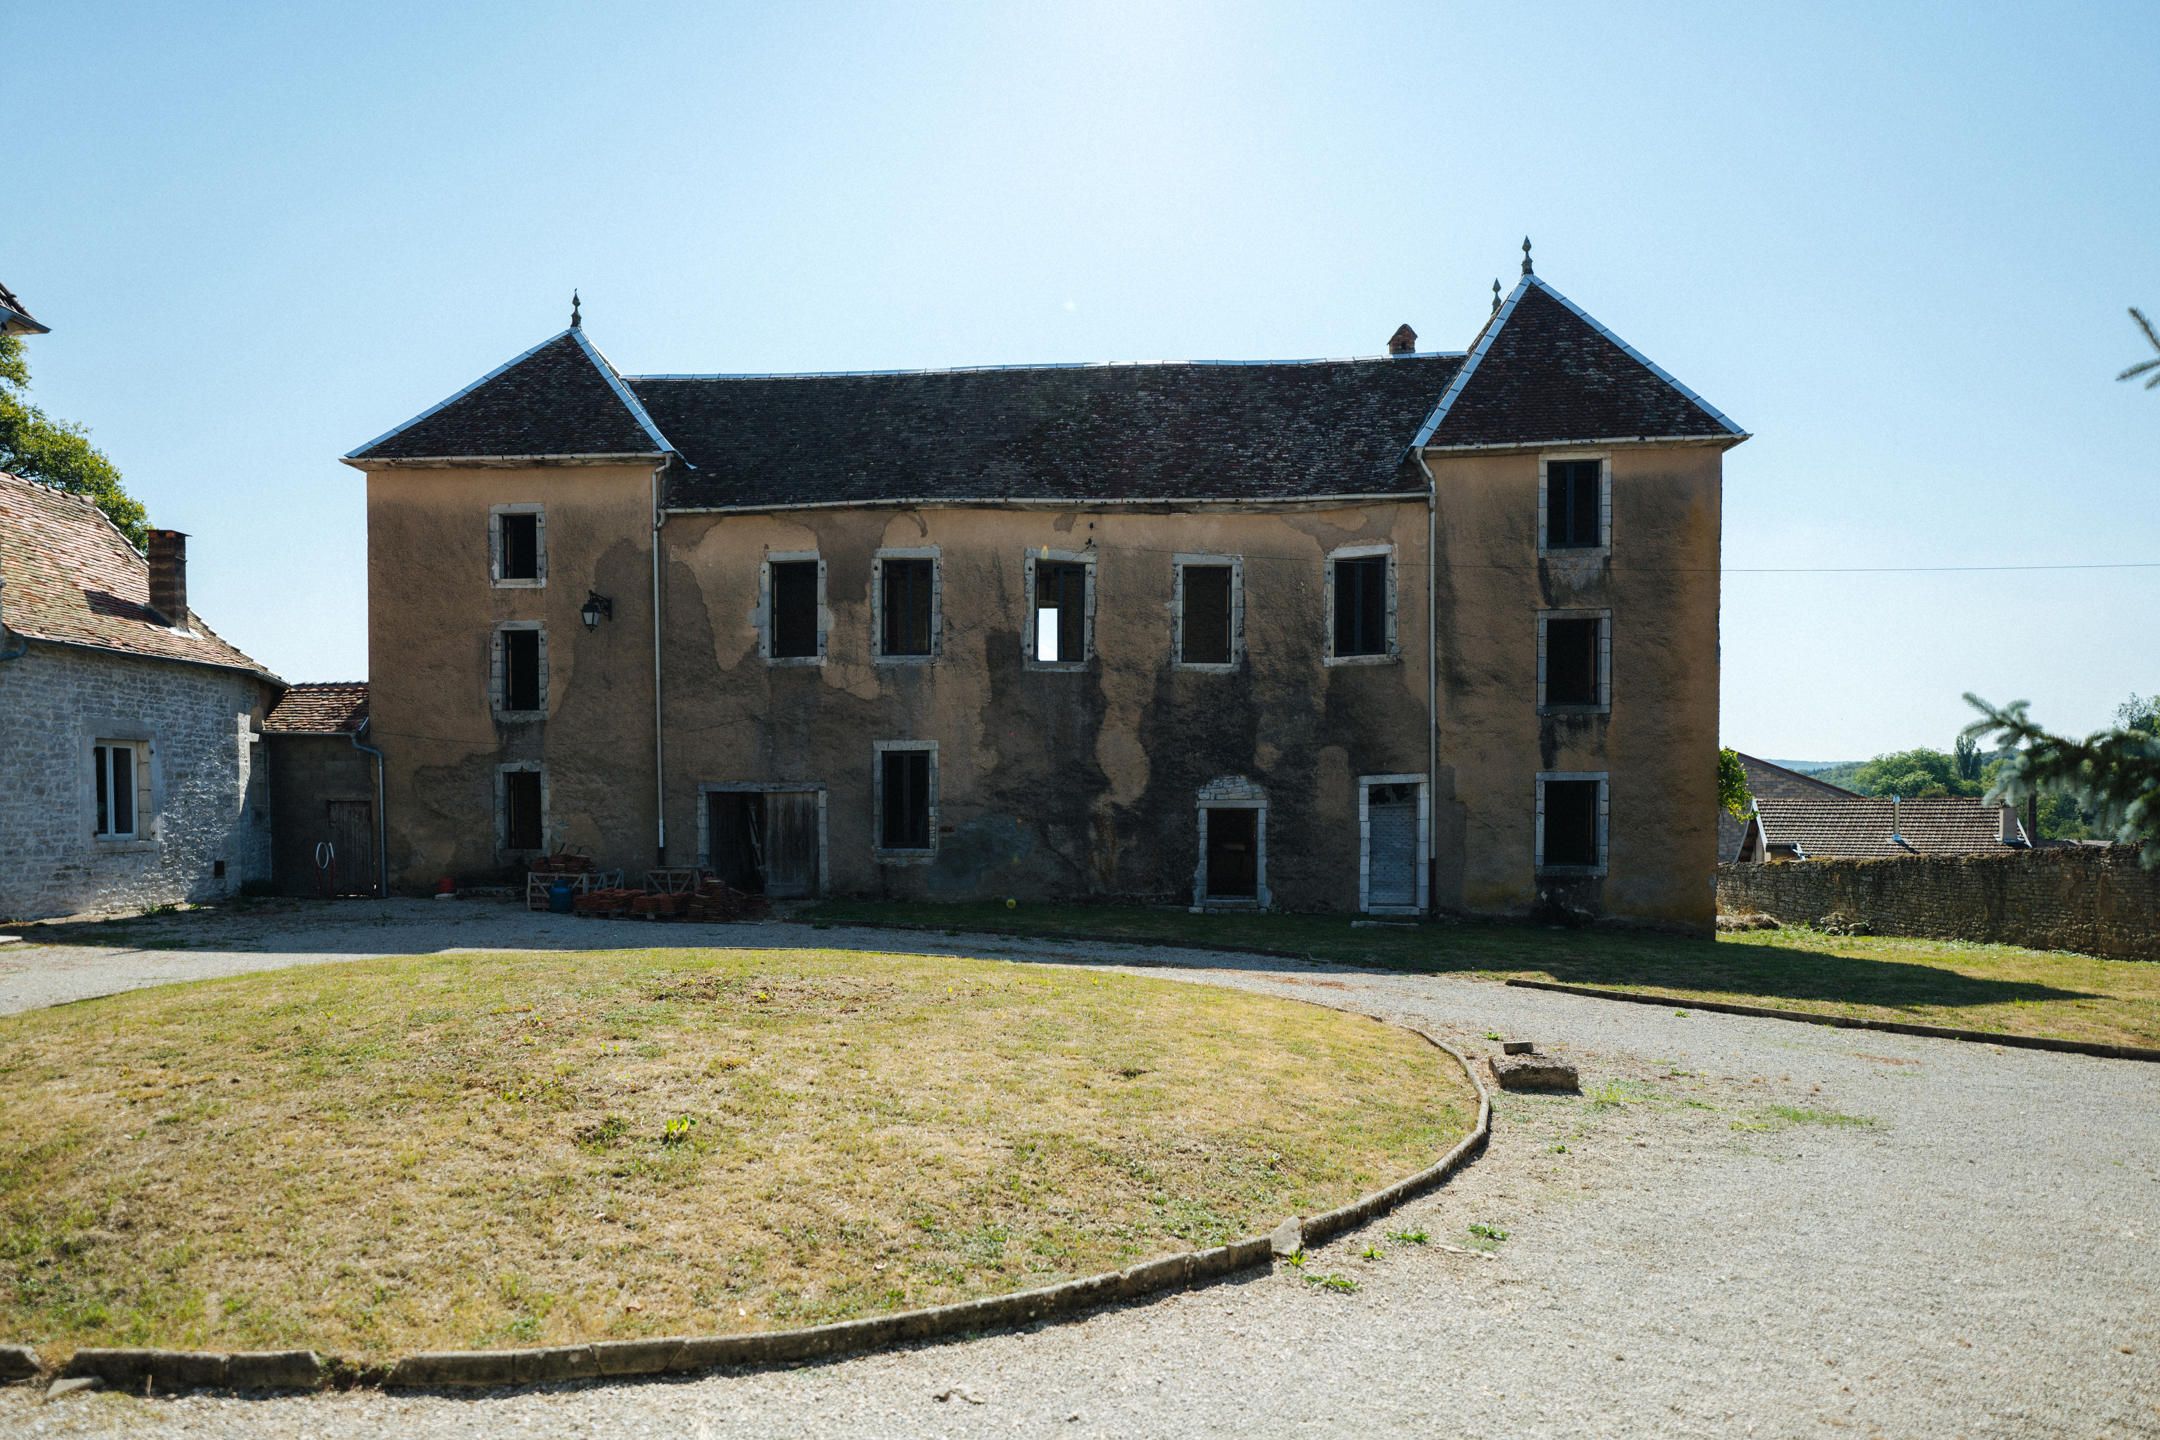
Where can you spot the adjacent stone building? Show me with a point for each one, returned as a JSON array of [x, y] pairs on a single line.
[[1421, 631], [129, 732], [324, 778]]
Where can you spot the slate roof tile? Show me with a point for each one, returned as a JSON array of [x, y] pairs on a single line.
[[337, 708], [559, 398], [67, 575]]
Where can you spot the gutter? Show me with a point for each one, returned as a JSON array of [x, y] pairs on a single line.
[[382, 818], [1432, 685], [659, 740], [1086, 504]]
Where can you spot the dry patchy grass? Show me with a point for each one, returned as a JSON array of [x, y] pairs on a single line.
[[484, 1149]]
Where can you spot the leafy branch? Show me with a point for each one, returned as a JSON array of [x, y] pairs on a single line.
[[2113, 773]]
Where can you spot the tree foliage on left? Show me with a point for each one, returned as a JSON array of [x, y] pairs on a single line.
[[56, 453]]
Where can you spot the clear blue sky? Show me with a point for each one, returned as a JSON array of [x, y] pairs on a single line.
[[1895, 242]]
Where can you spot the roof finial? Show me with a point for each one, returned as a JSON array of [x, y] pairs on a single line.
[[1526, 255], [576, 323], [1496, 295]]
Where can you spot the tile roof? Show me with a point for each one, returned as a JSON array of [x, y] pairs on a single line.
[[559, 398], [1176, 431], [14, 319], [339, 708], [67, 576], [1859, 826], [1543, 372], [1768, 779]]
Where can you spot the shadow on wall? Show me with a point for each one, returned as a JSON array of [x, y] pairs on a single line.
[[1590, 957]]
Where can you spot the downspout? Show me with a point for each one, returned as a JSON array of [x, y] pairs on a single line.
[[659, 742], [1432, 685], [382, 819]]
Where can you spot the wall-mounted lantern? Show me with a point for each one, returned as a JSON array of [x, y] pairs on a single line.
[[597, 607]]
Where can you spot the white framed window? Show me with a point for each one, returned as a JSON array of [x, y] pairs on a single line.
[[1394, 844], [1060, 633], [521, 804], [905, 800], [517, 546], [1574, 514], [1207, 608], [791, 608], [1230, 869], [1574, 662], [120, 796], [1360, 603], [906, 606], [518, 669], [1574, 814]]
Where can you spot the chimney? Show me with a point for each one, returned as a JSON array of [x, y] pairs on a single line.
[[168, 576], [1895, 837], [2009, 833], [1403, 341]]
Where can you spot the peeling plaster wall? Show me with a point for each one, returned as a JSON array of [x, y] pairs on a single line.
[[1659, 742], [432, 612], [1051, 782]]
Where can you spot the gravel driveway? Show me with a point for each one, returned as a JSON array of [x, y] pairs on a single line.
[[1743, 1227]]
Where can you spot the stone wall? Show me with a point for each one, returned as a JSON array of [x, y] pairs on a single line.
[[208, 806], [2099, 901]]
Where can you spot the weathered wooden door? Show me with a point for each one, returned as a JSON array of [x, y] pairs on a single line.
[[1391, 845], [352, 832], [1233, 853], [791, 844]]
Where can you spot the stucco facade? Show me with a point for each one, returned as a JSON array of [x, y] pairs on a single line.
[[203, 824]]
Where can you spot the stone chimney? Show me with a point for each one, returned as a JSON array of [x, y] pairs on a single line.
[[2010, 833], [1403, 341], [168, 576]]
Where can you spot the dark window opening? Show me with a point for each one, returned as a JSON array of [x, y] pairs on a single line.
[[1574, 518], [904, 800], [1060, 612], [1205, 638], [1233, 854], [520, 542], [521, 669], [1361, 605], [115, 765], [1571, 822], [906, 606], [1571, 662], [521, 810], [794, 609]]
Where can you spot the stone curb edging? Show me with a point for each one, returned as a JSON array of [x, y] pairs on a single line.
[[2095, 1048], [168, 1370]]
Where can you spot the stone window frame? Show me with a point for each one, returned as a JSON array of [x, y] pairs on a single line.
[[889, 855], [1392, 655], [1604, 823], [1604, 679], [496, 676], [1424, 845], [877, 603], [1236, 566], [540, 566], [149, 784], [1086, 558], [502, 807], [1605, 510], [764, 616], [768, 787], [1231, 792]]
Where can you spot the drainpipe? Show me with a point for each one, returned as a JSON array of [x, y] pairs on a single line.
[[1432, 685], [659, 742], [382, 819]]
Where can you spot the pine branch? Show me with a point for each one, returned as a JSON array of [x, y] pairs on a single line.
[[2115, 773]]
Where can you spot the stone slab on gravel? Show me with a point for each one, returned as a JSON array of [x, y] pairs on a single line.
[[1532, 1072]]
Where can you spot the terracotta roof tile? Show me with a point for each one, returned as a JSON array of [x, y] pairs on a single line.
[[67, 576], [1859, 826], [338, 708]]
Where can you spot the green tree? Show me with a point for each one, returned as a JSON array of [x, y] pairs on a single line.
[[1732, 791], [1915, 774], [56, 453], [1965, 756], [2113, 775], [2139, 712], [2144, 365]]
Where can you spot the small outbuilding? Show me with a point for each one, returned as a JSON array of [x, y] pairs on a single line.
[[324, 791]]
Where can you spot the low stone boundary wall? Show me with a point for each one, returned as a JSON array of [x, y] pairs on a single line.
[[2098, 900]]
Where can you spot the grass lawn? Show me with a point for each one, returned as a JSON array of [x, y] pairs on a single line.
[[1998, 988], [499, 1149]]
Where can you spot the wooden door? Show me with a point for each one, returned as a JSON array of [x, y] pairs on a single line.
[[1233, 854], [352, 832], [791, 844], [1391, 836]]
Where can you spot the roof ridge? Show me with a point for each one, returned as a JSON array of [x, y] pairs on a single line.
[[1494, 323], [1638, 357], [622, 391], [1038, 365]]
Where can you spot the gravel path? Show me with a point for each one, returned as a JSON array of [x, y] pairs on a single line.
[[1978, 1258]]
